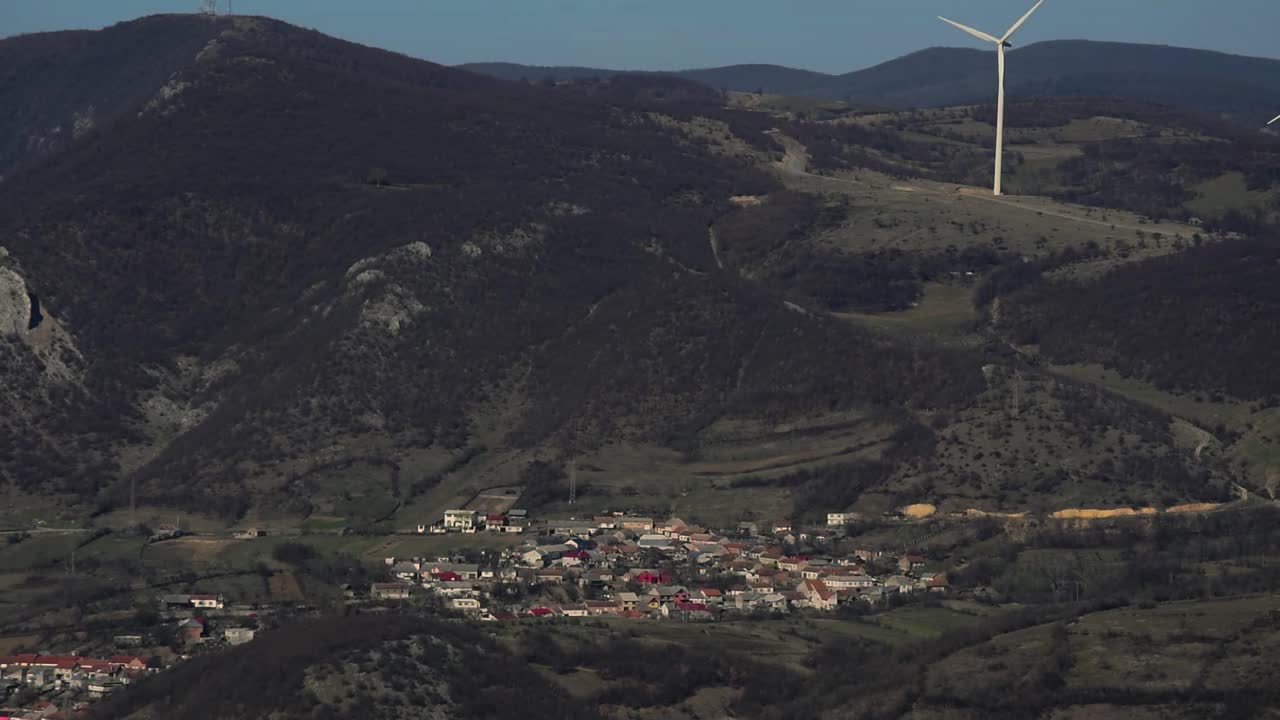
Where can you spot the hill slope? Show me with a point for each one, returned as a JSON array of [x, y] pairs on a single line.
[[299, 250], [339, 667], [310, 278], [1244, 88]]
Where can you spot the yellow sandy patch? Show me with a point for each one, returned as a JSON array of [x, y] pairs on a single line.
[[1194, 507], [1087, 514], [746, 200], [919, 510]]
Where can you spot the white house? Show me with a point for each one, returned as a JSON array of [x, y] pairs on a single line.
[[849, 582], [463, 520], [839, 519], [465, 604], [237, 635], [207, 601]]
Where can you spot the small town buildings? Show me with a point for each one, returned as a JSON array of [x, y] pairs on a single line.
[[910, 562], [549, 575], [124, 641], [580, 610], [463, 604], [637, 524], [390, 591], [238, 635], [191, 630], [101, 688], [128, 663], [936, 583], [574, 528], [848, 581], [818, 595], [646, 576], [459, 571], [654, 541], [211, 602], [460, 520], [867, 553]]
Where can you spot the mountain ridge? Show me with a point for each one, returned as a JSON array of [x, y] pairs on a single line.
[[1202, 80]]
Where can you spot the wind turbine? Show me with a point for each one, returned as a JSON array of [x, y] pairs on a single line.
[[1001, 43], [1273, 120]]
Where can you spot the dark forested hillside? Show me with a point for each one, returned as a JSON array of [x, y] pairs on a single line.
[[1205, 320], [294, 253], [752, 78], [406, 667], [57, 87], [297, 243]]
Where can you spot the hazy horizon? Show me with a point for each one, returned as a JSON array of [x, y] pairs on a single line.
[[828, 36]]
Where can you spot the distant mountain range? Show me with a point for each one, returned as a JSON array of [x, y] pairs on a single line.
[[1244, 88]]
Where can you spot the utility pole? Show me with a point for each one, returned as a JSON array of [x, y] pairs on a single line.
[[573, 482], [1017, 393]]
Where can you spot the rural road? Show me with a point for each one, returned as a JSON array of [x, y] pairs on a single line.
[[46, 531], [795, 161]]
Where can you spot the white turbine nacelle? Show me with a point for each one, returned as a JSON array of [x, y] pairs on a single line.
[[1001, 43]]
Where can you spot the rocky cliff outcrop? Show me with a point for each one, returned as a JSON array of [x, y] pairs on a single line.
[[15, 303]]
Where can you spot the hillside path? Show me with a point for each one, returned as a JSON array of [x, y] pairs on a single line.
[[795, 161]]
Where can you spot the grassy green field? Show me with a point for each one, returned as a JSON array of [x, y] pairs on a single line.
[[944, 315], [1257, 450], [1212, 618], [927, 622], [1228, 192]]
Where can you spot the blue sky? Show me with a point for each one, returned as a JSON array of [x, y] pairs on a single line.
[[827, 35]]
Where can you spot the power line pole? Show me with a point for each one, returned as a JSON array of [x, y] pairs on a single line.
[[573, 482]]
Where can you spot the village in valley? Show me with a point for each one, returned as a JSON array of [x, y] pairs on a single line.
[[619, 565], [622, 565]]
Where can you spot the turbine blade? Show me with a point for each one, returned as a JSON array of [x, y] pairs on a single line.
[[1273, 120], [976, 33], [1023, 19]]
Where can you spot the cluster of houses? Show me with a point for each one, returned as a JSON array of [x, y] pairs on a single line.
[[628, 566], [193, 619], [49, 687], [92, 677], [471, 521]]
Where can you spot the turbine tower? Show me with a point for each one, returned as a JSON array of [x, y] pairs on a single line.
[[1001, 43]]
